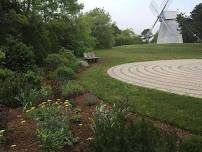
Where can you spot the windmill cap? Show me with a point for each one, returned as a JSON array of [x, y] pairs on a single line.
[[169, 15]]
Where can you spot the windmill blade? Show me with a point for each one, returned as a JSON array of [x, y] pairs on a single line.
[[166, 25], [155, 23], [167, 3], [154, 8]]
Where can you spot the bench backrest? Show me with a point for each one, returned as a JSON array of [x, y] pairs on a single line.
[[89, 55]]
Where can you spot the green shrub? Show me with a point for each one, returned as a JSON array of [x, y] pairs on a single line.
[[13, 86], [33, 79], [191, 144], [28, 97], [72, 88], [19, 57], [53, 61], [112, 132], [5, 73], [53, 127], [8, 91], [2, 57], [63, 73]]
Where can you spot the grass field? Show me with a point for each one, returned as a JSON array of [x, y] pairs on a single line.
[[181, 111]]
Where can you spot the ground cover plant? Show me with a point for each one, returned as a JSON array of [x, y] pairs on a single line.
[[184, 112], [53, 119]]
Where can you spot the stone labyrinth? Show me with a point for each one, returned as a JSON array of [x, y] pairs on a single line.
[[182, 77]]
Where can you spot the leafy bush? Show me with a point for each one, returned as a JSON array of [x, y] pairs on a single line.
[[90, 99], [28, 97], [33, 79], [5, 73], [2, 57], [13, 86], [19, 57], [112, 132], [8, 91], [53, 61], [72, 88], [63, 73], [191, 144], [53, 126]]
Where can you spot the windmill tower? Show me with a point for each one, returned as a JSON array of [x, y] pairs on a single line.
[[169, 31]]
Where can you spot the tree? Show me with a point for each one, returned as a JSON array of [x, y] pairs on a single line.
[[101, 28], [196, 16], [155, 37], [51, 9], [187, 29], [146, 35], [127, 37]]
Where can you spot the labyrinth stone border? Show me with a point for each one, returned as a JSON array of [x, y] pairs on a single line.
[[183, 77]]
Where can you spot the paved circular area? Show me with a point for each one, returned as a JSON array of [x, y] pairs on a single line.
[[182, 77]]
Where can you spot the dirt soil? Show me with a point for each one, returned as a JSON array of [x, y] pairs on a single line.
[[21, 131]]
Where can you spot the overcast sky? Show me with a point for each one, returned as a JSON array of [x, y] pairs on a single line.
[[136, 14]]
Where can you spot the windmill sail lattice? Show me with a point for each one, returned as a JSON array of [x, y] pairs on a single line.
[[169, 31]]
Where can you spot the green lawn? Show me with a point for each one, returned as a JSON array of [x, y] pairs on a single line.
[[181, 111]]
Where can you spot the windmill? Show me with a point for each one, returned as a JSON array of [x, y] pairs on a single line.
[[169, 31]]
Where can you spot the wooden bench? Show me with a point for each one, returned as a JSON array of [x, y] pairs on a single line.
[[90, 57]]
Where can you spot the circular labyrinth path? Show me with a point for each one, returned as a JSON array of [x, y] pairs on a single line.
[[182, 77]]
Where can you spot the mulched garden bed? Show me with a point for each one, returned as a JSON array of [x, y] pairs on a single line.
[[21, 131]]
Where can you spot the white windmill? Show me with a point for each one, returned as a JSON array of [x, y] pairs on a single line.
[[169, 31]]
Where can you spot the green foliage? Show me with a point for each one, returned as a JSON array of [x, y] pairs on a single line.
[[13, 86], [191, 144], [53, 61], [2, 57], [113, 133], [101, 28], [28, 97], [53, 127], [63, 73], [33, 79], [196, 16], [187, 29], [5, 73], [90, 99], [127, 37], [46, 93], [36, 34], [72, 88], [19, 57]]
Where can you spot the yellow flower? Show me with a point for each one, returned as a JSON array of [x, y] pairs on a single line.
[[49, 100], [33, 108], [58, 100], [23, 121], [2, 131], [66, 105], [13, 146], [28, 110]]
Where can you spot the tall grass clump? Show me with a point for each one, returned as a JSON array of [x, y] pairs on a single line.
[[115, 133]]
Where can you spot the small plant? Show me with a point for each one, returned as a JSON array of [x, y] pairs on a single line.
[[45, 93], [28, 97], [76, 118], [53, 125], [72, 88], [114, 133], [33, 79], [63, 73], [90, 99]]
